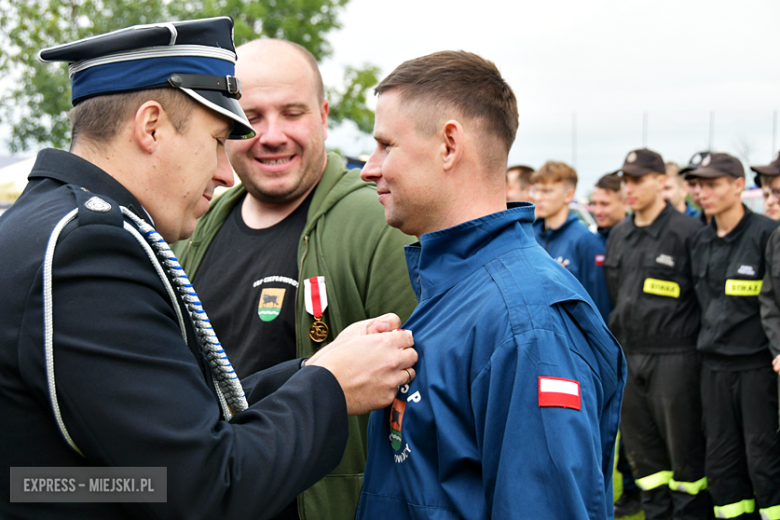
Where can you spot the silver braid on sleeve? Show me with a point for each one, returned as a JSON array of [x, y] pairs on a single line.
[[229, 390]]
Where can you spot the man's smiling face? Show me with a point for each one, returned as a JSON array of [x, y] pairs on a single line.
[[281, 101]]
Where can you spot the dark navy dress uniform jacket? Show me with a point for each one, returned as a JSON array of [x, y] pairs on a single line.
[[131, 391]]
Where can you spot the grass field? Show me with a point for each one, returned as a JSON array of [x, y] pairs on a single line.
[[617, 483]]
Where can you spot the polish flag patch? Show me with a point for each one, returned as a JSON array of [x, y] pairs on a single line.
[[563, 393], [599, 259]]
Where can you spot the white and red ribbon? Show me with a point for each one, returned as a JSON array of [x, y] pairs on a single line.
[[315, 296]]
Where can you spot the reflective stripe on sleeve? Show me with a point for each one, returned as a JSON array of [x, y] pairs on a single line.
[[655, 480], [661, 288], [735, 509], [770, 513], [692, 488], [743, 287]]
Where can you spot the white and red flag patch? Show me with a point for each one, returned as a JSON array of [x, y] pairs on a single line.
[[599, 259], [563, 393]]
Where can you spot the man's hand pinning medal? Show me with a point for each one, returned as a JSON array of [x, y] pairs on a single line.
[[368, 365]]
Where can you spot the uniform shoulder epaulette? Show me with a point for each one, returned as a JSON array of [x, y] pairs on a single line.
[[96, 209]]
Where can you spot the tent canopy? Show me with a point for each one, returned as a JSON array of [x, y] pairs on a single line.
[[13, 179]]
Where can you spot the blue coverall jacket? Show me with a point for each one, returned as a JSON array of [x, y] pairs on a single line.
[[581, 252], [514, 410]]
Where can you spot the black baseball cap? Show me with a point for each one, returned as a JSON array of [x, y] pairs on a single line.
[[641, 162], [717, 165], [197, 56], [770, 170], [694, 162]]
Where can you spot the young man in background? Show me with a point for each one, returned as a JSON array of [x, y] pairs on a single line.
[[608, 201], [563, 236], [518, 183], [656, 320], [738, 384]]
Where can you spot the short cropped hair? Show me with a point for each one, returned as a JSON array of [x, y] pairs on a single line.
[[673, 172], [457, 80], [765, 180], [524, 174], [100, 118], [554, 171], [611, 182]]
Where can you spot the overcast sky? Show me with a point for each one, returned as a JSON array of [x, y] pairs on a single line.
[[591, 75], [604, 67]]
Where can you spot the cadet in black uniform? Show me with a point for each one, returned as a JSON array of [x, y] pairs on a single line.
[[738, 385], [656, 319], [770, 290], [693, 183], [106, 355]]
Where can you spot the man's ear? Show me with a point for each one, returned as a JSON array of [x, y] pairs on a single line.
[[661, 180], [324, 108], [569, 194], [146, 125], [453, 138]]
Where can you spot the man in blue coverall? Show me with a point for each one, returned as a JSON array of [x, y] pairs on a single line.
[[563, 236], [514, 410]]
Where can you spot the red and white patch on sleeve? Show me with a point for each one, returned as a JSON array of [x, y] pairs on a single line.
[[599, 259], [563, 393]]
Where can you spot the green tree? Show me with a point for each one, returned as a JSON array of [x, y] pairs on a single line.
[[38, 101], [349, 101]]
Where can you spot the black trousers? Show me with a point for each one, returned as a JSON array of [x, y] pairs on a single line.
[[662, 427], [743, 444]]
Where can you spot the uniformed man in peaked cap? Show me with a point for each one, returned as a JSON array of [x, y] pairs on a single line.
[[107, 357], [738, 385]]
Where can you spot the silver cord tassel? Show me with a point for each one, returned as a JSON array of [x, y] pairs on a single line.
[[228, 385]]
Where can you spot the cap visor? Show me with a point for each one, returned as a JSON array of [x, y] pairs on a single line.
[[226, 106], [634, 170], [766, 170], [706, 173]]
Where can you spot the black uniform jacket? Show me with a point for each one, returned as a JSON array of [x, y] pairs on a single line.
[[770, 294], [728, 273], [648, 274], [132, 392]]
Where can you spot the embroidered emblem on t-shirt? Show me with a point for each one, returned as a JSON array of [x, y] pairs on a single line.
[[565, 262], [599, 259], [747, 270], [665, 260], [270, 304]]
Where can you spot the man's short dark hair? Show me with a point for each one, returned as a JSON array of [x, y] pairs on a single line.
[[611, 182], [100, 118], [458, 80], [524, 174]]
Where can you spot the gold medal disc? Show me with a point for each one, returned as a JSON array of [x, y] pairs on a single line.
[[318, 331]]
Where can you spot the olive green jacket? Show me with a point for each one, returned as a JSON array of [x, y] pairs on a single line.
[[346, 240]]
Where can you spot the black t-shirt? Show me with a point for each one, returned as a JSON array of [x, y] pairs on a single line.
[[248, 282]]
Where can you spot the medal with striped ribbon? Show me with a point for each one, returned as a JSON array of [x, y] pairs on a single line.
[[316, 301]]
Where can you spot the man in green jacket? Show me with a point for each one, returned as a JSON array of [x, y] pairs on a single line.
[[289, 258]]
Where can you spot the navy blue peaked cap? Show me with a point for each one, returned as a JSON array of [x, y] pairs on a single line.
[[198, 57]]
